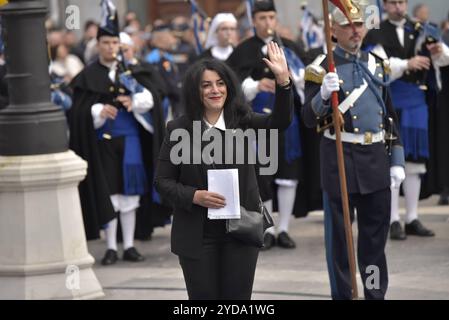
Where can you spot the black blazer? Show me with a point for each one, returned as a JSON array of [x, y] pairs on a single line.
[[178, 183], [387, 36]]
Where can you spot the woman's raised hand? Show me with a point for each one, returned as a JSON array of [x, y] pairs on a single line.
[[277, 63]]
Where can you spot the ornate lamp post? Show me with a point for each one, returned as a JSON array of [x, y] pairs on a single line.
[[43, 251]]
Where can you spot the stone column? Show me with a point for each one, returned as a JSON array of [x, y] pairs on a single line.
[[43, 251]]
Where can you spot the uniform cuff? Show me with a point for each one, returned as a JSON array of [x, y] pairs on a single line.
[[142, 102], [98, 121], [319, 107], [250, 88], [397, 156], [398, 67]]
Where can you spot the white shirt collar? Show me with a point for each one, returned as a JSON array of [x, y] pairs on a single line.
[[400, 30], [109, 65], [265, 47], [268, 40], [220, 124], [112, 67], [221, 53], [399, 24]]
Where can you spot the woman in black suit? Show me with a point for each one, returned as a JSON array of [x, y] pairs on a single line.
[[215, 265]]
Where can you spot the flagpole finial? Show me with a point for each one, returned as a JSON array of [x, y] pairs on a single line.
[[347, 12]]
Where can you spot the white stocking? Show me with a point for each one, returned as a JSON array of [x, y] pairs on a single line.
[[111, 234], [412, 188], [128, 222], [286, 201], [394, 205]]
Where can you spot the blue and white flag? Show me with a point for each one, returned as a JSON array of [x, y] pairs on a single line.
[[197, 25], [109, 18], [312, 33]]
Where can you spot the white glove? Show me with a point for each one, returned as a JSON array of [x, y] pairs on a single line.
[[331, 83], [397, 174]]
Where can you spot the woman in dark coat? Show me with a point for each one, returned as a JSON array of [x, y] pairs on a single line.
[[215, 265]]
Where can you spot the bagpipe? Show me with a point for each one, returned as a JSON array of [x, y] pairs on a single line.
[[426, 34], [125, 77], [124, 84]]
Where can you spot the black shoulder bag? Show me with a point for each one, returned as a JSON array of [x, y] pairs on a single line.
[[251, 226]]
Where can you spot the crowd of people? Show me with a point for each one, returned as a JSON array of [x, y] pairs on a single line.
[[121, 86]]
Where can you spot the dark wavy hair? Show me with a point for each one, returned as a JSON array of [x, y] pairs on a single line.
[[236, 110]]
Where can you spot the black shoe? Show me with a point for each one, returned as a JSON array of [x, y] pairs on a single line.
[[396, 232], [285, 241], [269, 241], [131, 254], [110, 257], [416, 228]]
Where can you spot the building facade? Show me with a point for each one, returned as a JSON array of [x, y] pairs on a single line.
[[289, 11]]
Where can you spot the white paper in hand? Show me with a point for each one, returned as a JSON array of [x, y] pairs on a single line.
[[226, 183]]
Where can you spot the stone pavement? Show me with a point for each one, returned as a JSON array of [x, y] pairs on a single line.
[[418, 267]]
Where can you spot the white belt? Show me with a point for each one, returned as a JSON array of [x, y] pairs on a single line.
[[358, 138]]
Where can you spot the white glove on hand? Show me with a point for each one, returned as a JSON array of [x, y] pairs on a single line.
[[397, 174], [331, 83]]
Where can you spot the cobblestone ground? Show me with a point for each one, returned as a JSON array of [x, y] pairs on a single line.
[[418, 267]]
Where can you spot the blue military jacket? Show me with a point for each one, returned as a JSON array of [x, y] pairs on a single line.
[[367, 166]]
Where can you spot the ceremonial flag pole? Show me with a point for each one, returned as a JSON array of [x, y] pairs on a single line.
[[197, 10], [337, 120]]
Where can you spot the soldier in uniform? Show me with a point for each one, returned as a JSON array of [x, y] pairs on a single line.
[[372, 163], [258, 86], [412, 63]]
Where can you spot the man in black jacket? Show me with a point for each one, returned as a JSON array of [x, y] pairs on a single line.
[[258, 85], [413, 62], [115, 121]]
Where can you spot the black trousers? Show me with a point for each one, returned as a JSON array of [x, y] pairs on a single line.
[[225, 270], [373, 218]]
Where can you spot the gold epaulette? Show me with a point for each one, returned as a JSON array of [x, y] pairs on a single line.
[[314, 71]]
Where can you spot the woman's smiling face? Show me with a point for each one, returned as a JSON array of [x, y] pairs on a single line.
[[213, 91]]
